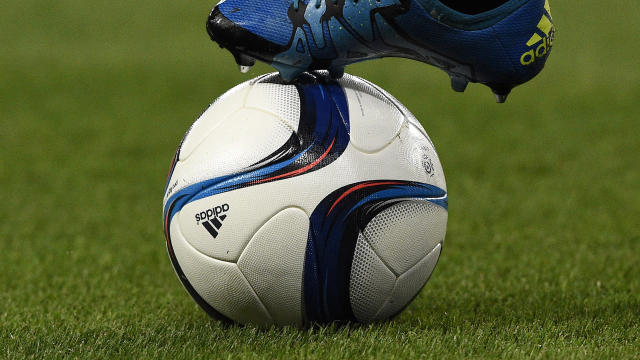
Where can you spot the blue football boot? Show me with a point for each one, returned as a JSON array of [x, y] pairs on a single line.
[[499, 43]]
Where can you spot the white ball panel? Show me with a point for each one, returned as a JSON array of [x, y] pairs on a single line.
[[219, 283], [245, 138], [242, 220], [403, 109], [409, 117], [280, 100], [405, 233], [374, 120], [371, 282], [218, 112], [249, 208], [273, 263], [409, 284]]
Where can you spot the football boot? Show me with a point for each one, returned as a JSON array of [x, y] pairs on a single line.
[[498, 43]]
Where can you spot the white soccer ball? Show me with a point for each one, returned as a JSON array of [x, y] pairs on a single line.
[[319, 201]]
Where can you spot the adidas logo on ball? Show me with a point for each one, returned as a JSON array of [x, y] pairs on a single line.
[[212, 218]]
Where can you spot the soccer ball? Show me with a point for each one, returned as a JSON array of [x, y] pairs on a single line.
[[318, 201]]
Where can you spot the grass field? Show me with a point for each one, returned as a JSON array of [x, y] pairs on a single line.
[[542, 257]]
